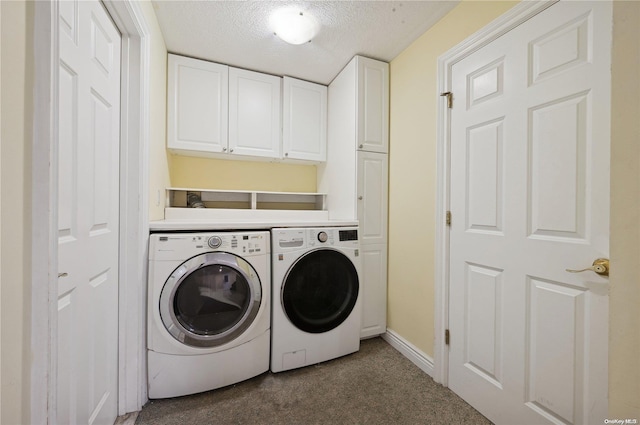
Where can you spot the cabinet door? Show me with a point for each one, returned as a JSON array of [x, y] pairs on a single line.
[[304, 120], [254, 113], [372, 197], [374, 290], [373, 105], [197, 102]]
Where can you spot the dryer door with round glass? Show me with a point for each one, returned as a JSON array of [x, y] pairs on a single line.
[[320, 290], [210, 299]]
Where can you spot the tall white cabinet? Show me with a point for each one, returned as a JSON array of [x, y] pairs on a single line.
[[355, 176]]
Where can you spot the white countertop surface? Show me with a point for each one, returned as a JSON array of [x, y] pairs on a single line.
[[239, 224]]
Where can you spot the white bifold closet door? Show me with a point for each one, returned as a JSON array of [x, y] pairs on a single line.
[[88, 192]]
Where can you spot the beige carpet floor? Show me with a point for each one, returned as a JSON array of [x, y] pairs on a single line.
[[377, 385]]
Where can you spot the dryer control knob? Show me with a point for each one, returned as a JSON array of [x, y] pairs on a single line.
[[322, 236], [215, 242]]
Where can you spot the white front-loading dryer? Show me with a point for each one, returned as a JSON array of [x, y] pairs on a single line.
[[316, 308], [209, 310]]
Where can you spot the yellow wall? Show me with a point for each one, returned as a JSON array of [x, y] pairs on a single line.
[[159, 160], [624, 302], [207, 173], [412, 169], [15, 193]]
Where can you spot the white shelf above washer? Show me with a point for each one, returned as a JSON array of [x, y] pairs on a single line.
[[246, 205]]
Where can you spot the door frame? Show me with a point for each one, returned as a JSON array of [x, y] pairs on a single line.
[[133, 233], [503, 24]]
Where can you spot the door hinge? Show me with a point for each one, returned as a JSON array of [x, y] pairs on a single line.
[[449, 98], [448, 218], [446, 336]]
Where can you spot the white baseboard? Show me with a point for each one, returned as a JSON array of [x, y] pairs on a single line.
[[410, 351], [127, 419]]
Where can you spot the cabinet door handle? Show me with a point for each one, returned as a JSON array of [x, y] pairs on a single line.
[[230, 150], [360, 198], [224, 149], [360, 146]]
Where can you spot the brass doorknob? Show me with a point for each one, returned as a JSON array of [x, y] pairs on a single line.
[[600, 266]]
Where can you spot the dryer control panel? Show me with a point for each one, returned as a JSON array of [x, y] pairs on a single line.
[[290, 239], [348, 235]]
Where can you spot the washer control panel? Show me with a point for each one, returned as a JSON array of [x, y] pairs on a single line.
[[164, 246], [214, 242]]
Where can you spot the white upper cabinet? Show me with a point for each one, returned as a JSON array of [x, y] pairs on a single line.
[[214, 110], [196, 105], [373, 105], [254, 113], [304, 120]]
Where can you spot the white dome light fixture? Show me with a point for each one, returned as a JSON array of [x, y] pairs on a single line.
[[294, 26]]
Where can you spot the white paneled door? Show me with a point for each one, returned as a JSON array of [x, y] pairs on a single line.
[[88, 191], [530, 199]]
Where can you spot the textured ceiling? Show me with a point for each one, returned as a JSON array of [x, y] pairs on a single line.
[[238, 33]]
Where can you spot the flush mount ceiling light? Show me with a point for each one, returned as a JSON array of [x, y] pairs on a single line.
[[294, 26]]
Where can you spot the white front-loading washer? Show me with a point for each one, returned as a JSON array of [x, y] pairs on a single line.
[[316, 295], [209, 310]]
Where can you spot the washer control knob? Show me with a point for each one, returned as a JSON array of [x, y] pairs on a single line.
[[215, 242], [322, 237]]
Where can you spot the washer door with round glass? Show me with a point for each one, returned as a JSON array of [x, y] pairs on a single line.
[[210, 299], [320, 290]]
